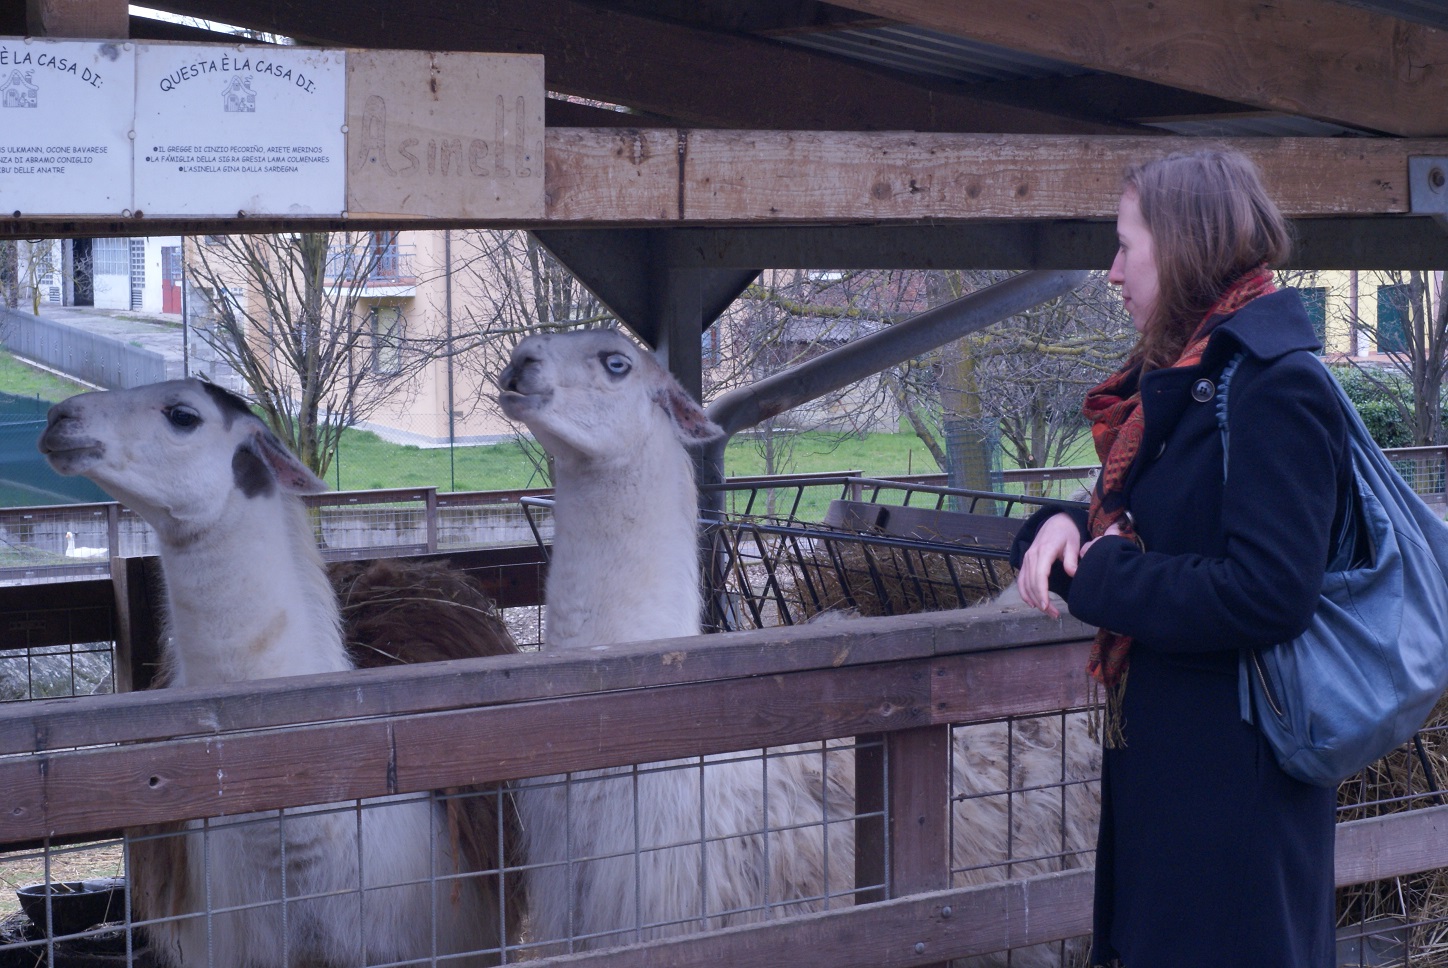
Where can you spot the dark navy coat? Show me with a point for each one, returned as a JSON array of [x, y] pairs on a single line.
[[1209, 855]]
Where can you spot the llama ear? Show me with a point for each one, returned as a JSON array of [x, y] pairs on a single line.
[[269, 456], [691, 424]]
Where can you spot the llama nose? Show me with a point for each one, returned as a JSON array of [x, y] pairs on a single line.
[[59, 413], [511, 375]]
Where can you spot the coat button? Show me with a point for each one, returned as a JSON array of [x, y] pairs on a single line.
[[1203, 390]]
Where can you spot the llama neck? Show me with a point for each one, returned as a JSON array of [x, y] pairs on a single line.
[[625, 561], [250, 598]]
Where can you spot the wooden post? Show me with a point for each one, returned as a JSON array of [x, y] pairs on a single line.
[[905, 776], [431, 513], [679, 323], [113, 528], [919, 812], [100, 19], [870, 843], [137, 584]]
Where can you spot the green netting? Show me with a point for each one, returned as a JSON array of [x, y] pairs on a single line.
[[25, 478]]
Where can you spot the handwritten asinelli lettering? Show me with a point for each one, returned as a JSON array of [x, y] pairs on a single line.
[[448, 156]]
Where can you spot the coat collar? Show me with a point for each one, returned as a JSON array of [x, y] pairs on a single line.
[[1268, 327]]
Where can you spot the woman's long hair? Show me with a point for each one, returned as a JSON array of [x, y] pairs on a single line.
[[1211, 220]]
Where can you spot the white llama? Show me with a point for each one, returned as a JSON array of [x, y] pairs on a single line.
[[625, 567], [248, 598]]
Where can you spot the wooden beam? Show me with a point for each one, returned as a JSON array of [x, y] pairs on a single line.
[[1387, 242], [1319, 58], [742, 177], [443, 686], [670, 69], [90, 19]]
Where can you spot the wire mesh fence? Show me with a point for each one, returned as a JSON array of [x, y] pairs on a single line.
[[877, 547], [1020, 792]]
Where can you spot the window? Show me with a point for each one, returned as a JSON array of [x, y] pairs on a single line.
[[382, 256], [386, 322], [1314, 298], [111, 257], [1393, 318]]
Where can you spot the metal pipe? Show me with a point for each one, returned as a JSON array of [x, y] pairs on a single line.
[[854, 361]]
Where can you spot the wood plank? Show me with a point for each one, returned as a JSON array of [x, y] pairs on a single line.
[[56, 613], [774, 176], [986, 531], [56, 794], [871, 842], [1379, 848], [666, 68], [918, 930], [673, 178], [1342, 242], [158, 714], [1313, 57], [1321, 243], [918, 812], [90, 19], [139, 608], [1036, 680]]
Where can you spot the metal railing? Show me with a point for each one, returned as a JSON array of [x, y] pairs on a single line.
[[379, 265], [360, 524], [91, 357]]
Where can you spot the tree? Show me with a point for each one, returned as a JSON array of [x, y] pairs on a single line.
[[285, 314], [34, 264], [1410, 326], [1016, 385], [9, 273], [511, 287]]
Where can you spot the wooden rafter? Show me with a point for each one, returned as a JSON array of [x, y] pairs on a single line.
[[698, 76], [1319, 58], [757, 177]]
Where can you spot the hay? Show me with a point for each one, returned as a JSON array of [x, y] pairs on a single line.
[[1396, 783], [398, 612], [880, 579]]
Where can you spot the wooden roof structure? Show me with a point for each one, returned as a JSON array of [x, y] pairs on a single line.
[[725, 136]]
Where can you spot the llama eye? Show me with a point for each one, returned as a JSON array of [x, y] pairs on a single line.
[[183, 418], [617, 364]]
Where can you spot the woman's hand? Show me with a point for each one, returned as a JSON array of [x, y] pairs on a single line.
[[1057, 540], [1113, 529]]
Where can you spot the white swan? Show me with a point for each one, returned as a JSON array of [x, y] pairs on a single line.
[[71, 551]]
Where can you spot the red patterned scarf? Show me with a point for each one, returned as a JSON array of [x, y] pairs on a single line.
[[1117, 423]]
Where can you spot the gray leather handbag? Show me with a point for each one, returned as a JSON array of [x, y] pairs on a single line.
[[1370, 667]]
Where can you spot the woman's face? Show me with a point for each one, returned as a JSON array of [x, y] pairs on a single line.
[[1134, 268]]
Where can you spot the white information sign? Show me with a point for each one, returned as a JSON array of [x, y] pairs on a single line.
[[240, 130], [65, 121]]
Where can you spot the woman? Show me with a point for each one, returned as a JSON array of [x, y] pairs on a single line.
[[1209, 855]]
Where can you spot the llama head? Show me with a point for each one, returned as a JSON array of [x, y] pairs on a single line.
[[596, 396], [176, 453]]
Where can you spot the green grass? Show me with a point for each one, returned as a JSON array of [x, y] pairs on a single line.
[[877, 455], [24, 380], [369, 462]]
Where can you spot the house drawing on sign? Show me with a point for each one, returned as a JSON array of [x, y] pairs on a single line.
[[18, 92], [239, 96]]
